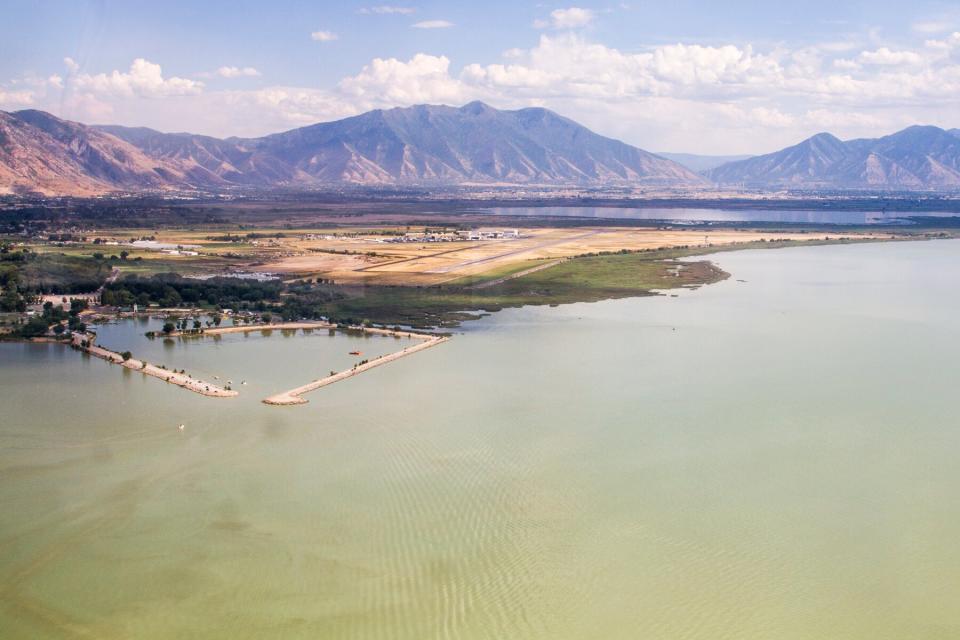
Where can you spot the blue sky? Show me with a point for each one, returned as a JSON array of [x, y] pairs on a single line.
[[681, 75]]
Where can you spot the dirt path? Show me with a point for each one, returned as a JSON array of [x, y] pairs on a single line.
[[180, 379], [292, 396]]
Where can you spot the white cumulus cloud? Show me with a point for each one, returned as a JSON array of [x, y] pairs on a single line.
[[432, 24], [323, 36], [237, 72], [15, 99], [144, 78], [391, 82], [570, 18], [885, 56]]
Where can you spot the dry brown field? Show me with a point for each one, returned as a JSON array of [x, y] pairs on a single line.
[[372, 261]]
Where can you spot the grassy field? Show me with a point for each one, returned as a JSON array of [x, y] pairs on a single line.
[[587, 279], [142, 261], [62, 273]]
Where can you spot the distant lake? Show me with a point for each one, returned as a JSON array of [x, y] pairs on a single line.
[[773, 456], [692, 215]]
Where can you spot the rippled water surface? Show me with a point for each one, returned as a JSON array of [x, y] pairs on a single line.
[[774, 456]]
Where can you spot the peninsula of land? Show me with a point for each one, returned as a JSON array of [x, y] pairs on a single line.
[[294, 396], [84, 343]]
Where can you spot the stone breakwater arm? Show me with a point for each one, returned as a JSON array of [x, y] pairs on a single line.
[[179, 379], [293, 396]]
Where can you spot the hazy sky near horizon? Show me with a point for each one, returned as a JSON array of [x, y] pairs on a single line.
[[686, 76]]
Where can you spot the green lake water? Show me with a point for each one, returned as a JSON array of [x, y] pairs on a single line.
[[773, 456]]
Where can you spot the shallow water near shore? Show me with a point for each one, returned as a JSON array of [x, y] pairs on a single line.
[[772, 456]]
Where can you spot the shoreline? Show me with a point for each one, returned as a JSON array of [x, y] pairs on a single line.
[[293, 396]]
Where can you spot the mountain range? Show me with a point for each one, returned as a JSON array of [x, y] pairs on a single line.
[[917, 158], [421, 145], [430, 145]]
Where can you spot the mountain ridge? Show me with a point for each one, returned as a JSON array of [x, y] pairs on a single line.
[[919, 157], [439, 145], [420, 145]]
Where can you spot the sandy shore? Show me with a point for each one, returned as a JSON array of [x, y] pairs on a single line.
[[180, 379], [292, 396]]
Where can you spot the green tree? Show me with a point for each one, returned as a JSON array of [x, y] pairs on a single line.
[[168, 327], [126, 355]]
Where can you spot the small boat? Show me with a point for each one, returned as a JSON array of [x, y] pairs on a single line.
[[244, 382], [356, 353], [181, 427]]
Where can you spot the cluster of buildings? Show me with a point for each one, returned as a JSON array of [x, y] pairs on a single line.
[[456, 236]]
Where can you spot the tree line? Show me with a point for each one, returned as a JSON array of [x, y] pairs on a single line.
[[172, 290]]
